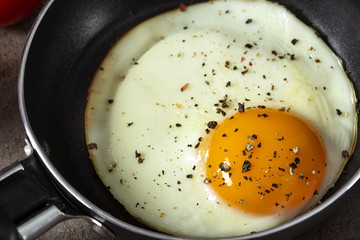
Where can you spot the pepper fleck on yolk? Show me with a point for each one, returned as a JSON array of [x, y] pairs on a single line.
[[265, 161]]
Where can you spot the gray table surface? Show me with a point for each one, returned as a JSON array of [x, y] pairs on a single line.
[[342, 224]]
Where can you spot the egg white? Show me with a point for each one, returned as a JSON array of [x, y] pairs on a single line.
[[154, 93]]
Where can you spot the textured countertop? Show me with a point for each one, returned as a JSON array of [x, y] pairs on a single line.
[[342, 224]]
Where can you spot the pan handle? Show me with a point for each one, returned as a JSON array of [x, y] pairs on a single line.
[[30, 205]]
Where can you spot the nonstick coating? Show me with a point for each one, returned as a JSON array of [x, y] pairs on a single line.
[[72, 39]]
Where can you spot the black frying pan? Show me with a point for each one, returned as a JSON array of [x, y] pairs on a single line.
[[64, 49]]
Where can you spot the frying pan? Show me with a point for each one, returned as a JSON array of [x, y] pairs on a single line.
[[64, 49]]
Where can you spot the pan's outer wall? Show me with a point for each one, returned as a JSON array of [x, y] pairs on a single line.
[[74, 37]]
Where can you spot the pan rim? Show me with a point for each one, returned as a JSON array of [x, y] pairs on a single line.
[[102, 215]]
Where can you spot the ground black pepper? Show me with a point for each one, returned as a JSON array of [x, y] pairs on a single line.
[[92, 146], [212, 124], [241, 107], [224, 167], [345, 154], [294, 41], [246, 166]]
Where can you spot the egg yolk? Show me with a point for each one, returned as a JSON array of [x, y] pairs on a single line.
[[265, 161]]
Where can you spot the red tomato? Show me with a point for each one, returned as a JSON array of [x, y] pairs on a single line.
[[13, 11]]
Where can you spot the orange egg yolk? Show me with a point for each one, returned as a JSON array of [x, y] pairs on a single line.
[[265, 161]]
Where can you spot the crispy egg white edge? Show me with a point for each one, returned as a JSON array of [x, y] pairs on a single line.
[[121, 58]]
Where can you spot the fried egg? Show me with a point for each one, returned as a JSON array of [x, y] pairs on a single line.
[[220, 119]]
